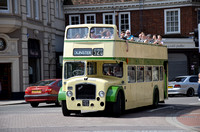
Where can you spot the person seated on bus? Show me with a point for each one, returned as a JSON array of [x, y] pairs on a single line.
[[122, 35], [106, 34], [77, 36], [129, 36], [92, 34], [159, 40], [142, 37], [109, 72], [117, 72], [148, 39]]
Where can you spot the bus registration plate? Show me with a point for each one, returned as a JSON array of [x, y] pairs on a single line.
[[85, 102]]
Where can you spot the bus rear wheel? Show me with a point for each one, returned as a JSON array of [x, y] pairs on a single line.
[[65, 111], [118, 106], [155, 98]]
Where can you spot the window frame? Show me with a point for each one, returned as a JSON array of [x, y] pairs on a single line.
[[146, 69], [137, 75], [16, 8], [28, 8], [179, 21], [86, 15], [129, 21], [157, 75], [36, 9], [104, 17], [8, 8], [132, 71], [70, 18]]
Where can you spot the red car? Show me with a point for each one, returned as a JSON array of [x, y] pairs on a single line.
[[43, 91]]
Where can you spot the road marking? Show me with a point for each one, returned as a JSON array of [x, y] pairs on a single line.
[[171, 107]]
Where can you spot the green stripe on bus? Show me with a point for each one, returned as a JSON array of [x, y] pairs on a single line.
[[131, 61]]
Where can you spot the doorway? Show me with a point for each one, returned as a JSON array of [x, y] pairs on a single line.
[[34, 60], [5, 81]]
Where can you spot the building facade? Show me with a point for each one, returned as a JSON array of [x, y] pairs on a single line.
[[31, 34], [175, 20]]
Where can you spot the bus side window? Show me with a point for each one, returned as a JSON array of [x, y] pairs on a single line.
[[148, 74], [140, 74], [155, 73], [131, 74], [161, 73]]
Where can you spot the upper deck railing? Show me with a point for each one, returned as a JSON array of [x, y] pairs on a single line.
[[89, 41]]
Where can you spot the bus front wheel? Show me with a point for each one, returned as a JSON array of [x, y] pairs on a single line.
[[65, 111], [118, 106]]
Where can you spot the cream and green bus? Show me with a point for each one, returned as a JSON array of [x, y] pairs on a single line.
[[102, 72]]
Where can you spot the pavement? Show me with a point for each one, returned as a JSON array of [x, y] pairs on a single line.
[[11, 102], [187, 119]]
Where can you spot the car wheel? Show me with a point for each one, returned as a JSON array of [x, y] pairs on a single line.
[[155, 98], [65, 111], [34, 104], [57, 103], [190, 92], [118, 106]]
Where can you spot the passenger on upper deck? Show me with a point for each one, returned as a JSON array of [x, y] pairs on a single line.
[[148, 39], [77, 36], [159, 40], [129, 36], [92, 34], [142, 37], [122, 35], [106, 34]]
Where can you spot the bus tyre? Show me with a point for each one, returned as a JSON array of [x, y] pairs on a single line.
[[65, 111], [155, 98], [190, 92], [118, 106], [34, 104]]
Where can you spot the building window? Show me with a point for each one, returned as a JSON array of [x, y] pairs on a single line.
[[90, 18], [57, 8], [172, 21], [198, 16], [28, 8], [47, 11], [74, 19], [4, 6], [36, 9], [2, 44], [108, 18], [16, 6], [124, 21]]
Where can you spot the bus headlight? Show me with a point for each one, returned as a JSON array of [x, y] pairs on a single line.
[[69, 93], [101, 93]]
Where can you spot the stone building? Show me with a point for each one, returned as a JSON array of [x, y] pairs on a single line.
[[175, 20], [31, 33]]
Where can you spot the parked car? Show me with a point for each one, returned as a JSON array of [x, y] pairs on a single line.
[[186, 85], [43, 91]]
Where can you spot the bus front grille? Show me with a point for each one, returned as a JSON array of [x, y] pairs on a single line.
[[85, 91]]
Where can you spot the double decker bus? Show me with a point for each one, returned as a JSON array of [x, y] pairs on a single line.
[[102, 72]]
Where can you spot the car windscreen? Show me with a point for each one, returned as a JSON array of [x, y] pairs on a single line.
[[44, 83], [178, 79]]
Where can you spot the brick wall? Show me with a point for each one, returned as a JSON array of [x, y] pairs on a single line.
[[152, 21]]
